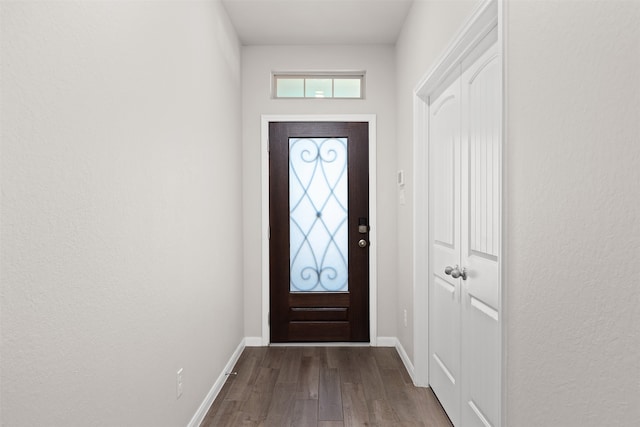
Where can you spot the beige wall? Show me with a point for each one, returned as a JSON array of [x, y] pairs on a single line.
[[257, 64], [429, 28], [572, 201], [121, 210]]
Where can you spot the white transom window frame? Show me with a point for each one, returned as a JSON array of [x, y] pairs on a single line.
[[333, 75]]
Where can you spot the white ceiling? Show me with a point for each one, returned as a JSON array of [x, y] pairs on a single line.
[[313, 22]]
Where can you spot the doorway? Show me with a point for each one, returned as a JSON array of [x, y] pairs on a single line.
[[313, 303], [319, 227]]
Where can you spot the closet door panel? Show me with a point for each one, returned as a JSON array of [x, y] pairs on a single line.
[[444, 290], [480, 246]]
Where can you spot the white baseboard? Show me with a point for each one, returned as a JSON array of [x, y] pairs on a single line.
[[253, 342], [405, 359], [386, 342], [395, 342], [217, 386]]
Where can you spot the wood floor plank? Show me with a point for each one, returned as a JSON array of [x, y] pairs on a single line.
[[308, 378], [225, 416], [330, 424], [371, 379], [398, 396], [408, 424], [354, 405], [329, 395], [381, 413], [324, 358], [333, 357], [215, 407], [347, 364], [256, 407], [309, 351], [273, 357], [403, 371], [290, 365], [385, 357], [281, 408], [393, 384], [429, 408], [247, 372], [258, 353], [305, 413]]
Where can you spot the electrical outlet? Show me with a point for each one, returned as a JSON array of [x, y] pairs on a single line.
[[179, 383], [405, 317]]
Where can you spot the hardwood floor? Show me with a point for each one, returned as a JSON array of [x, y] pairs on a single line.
[[323, 387]]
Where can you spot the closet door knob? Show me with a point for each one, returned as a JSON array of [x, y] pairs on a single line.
[[455, 272]]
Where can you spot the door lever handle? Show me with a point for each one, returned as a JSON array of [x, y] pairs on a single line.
[[455, 272]]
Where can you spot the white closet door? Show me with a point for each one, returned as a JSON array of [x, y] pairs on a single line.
[[444, 292], [465, 208], [480, 246]]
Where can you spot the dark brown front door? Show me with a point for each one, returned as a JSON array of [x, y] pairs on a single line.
[[319, 226]]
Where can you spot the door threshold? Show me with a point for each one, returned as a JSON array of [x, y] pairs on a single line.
[[320, 344]]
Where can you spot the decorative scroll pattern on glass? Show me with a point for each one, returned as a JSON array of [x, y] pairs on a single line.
[[318, 209]]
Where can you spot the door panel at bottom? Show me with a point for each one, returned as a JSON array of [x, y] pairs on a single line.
[[481, 381]]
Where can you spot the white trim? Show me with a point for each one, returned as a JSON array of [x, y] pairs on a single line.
[[420, 245], [502, 42], [373, 272], [479, 413], [406, 361], [387, 341], [479, 23], [253, 341], [264, 164], [197, 418], [488, 15], [333, 75]]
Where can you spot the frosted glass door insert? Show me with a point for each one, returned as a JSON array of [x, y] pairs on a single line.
[[318, 200]]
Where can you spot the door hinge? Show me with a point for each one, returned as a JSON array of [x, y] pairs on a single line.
[[269, 234], [269, 318]]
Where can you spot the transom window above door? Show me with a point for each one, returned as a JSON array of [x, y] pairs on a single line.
[[333, 85]]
